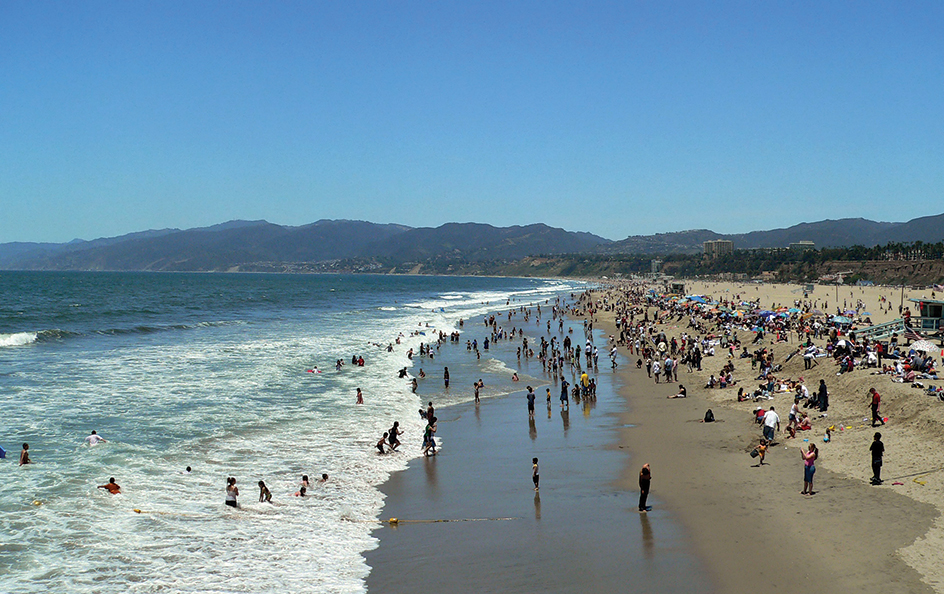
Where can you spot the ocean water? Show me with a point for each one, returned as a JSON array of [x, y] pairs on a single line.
[[211, 371]]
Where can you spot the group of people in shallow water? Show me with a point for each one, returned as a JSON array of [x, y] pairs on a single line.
[[265, 495], [232, 491]]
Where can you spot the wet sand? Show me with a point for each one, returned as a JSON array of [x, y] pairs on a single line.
[[581, 532]]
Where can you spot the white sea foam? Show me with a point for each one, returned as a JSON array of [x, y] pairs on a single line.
[[17, 339]]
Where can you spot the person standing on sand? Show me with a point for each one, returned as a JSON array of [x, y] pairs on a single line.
[[645, 479], [535, 473], [531, 398], [809, 468], [876, 401], [563, 394], [878, 451], [822, 396]]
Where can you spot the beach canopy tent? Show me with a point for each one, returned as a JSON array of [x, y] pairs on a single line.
[[924, 345], [696, 298], [840, 320]]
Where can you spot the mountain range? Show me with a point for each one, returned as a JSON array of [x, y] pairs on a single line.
[[245, 245]]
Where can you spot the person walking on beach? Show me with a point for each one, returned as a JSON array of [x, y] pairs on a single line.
[[645, 479], [878, 451], [531, 398], [809, 468], [771, 420], [876, 401], [232, 492], [24, 455], [563, 395], [535, 473]]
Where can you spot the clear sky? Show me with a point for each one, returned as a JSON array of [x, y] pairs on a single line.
[[617, 118]]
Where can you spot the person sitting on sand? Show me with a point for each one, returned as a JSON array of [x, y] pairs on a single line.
[[682, 393], [805, 423]]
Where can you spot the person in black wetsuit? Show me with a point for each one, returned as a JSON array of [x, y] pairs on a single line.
[[878, 451], [645, 478]]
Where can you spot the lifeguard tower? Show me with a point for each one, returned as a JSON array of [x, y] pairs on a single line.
[[930, 318]]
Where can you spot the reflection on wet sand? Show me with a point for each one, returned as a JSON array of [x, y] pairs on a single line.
[[648, 542]]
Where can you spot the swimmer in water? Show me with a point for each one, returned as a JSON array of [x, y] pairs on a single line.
[[324, 478], [265, 496], [111, 486], [380, 444], [232, 492], [360, 397], [301, 492], [95, 439], [24, 455]]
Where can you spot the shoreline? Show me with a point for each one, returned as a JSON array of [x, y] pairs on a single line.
[[580, 531]]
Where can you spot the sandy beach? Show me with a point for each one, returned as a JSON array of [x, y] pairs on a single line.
[[748, 527], [914, 466]]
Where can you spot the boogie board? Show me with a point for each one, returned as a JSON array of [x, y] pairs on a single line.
[[3, 453]]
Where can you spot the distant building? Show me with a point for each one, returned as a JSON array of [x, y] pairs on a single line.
[[718, 247], [802, 246], [655, 265]]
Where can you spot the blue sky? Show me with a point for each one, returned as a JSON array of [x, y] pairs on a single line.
[[617, 118]]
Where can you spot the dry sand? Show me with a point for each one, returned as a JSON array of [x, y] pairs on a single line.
[[751, 524]]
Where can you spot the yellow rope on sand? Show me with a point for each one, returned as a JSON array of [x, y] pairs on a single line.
[[397, 521]]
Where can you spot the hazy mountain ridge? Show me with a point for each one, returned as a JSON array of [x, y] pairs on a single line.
[[236, 244], [229, 245], [828, 233]]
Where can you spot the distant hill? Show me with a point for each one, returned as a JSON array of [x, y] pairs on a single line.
[[260, 245], [235, 244], [477, 242], [829, 233]]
